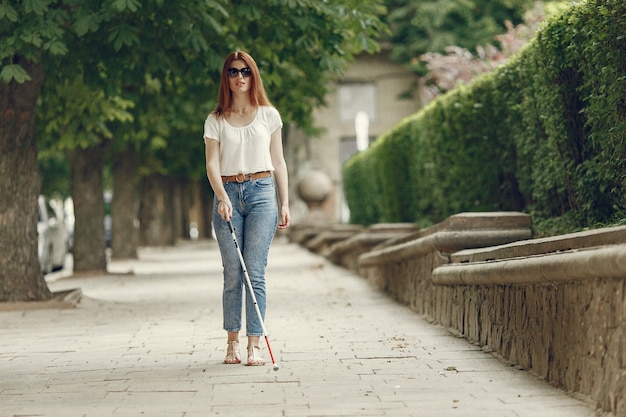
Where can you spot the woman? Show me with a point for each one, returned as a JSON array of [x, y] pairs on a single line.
[[243, 146]]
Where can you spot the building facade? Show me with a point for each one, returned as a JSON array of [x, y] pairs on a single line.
[[374, 95]]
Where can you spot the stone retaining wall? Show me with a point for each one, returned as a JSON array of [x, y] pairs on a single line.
[[555, 307], [570, 334]]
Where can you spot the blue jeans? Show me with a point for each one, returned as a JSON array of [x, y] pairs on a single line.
[[255, 219]]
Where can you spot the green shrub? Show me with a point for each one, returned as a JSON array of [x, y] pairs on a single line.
[[362, 190], [545, 133]]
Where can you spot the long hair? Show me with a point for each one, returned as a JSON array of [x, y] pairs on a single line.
[[258, 96]]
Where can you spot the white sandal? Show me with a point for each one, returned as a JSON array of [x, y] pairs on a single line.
[[232, 353], [254, 356]]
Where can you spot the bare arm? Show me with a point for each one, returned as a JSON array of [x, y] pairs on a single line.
[[282, 179], [212, 150]]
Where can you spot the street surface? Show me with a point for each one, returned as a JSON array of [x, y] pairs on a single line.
[[146, 340]]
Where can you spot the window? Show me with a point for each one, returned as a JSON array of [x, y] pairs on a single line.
[[356, 97]]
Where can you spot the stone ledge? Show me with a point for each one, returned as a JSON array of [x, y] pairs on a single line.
[[326, 238], [576, 265], [369, 238], [304, 232], [571, 241], [358, 243], [485, 220], [499, 220], [444, 241]]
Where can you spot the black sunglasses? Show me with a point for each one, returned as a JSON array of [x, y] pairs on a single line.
[[234, 72]]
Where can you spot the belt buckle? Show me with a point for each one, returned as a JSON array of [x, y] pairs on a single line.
[[238, 176]]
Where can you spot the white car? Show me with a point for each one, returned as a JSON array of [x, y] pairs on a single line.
[[53, 235]]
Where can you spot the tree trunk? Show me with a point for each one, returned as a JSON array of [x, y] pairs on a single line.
[[199, 212], [156, 212], [206, 200], [178, 208], [124, 206], [185, 203], [86, 167], [21, 278]]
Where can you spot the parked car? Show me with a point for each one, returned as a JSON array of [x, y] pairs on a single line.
[[53, 235], [108, 221], [70, 219]]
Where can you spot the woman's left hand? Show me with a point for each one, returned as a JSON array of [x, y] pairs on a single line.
[[284, 217], [225, 209]]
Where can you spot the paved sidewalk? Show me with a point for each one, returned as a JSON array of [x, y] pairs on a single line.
[[151, 344]]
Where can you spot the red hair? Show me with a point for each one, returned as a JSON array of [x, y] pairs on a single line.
[[257, 94]]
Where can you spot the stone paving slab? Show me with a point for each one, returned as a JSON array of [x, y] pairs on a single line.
[[146, 340]]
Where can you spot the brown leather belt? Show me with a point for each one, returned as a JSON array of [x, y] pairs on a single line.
[[245, 177]]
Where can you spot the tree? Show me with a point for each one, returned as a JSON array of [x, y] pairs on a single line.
[[173, 41], [421, 26], [301, 47], [304, 46], [27, 33], [77, 119], [20, 274], [460, 65], [114, 46], [37, 34]]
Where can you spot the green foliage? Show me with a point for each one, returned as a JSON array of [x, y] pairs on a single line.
[[77, 115], [578, 67], [14, 72], [73, 115], [55, 166], [303, 46], [363, 188], [421, 26], [29, 29], [121, 49], [543, 133]]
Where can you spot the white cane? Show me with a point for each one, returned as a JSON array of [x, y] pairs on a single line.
[[256, 305]]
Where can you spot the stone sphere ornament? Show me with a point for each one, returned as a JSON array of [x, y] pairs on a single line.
[[314, 187]]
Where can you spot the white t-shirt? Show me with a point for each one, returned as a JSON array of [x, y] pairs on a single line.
[[244, 150]]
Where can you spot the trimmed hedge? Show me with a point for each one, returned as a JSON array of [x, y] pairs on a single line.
[[545, 133]]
